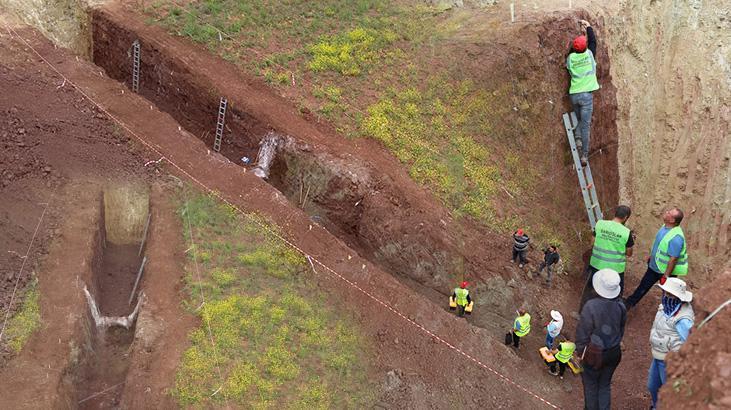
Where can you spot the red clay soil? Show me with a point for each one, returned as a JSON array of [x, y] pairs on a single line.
[[47, 139], [426, 371], [162, 325], [399, 225], [699, 375]]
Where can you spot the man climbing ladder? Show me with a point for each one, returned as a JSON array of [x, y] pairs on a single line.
[[582, 68]]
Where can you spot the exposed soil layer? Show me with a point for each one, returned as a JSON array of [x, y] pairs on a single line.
[[405, 355], [115, 278], [355, 188], [162, 326], [104, 362]]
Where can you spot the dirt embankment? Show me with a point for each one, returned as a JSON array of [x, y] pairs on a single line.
[[65, 22], [673, 71], [410, 379], [357, 189], [699, 375]]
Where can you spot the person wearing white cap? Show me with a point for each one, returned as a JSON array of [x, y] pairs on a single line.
[[598, 337], [671, 328], [553, 328]]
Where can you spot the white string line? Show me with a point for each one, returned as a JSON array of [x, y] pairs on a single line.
[[277, 235], [22, 266], [101, 392], [203, 301]]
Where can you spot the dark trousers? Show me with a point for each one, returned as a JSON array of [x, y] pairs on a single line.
[[651, 277], [549, 271], [519, 255], [460, 310], [561, 367], [648, 280], [516, 340], [598, 382], [588, 291]]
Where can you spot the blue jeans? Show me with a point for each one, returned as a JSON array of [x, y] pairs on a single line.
[[656, 379], [549, 341], [583, 104]]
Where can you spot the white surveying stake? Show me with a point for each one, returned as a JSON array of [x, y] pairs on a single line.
[[588, 190], [219, 124], [136, 66]]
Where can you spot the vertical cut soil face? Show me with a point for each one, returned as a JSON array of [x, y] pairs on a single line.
[[353, 188], [99, 378]]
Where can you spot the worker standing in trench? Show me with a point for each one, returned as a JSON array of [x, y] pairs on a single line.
[[613, 243], [582, 68], [672, 325], [668, 256]]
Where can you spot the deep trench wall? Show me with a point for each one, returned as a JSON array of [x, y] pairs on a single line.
[[169, 83], [546, 71], [672, 65], [65, 22], [126, 208]]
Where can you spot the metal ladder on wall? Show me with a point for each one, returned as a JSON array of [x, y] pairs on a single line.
[[588, 190], [136, 66], [220, 124]]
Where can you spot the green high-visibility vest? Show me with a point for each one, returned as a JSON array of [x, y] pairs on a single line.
[[524, 322], [662, 257], [567, 350], [461, 296], [582, 68], [610, 246]]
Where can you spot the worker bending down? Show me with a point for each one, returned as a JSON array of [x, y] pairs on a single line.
[[563, 353], [462, 297]]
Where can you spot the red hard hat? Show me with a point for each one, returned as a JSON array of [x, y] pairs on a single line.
[[463, 285], [520, 231], [580, 44]]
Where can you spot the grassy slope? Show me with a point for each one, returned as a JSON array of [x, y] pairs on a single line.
[[371, 69], [278, 342], [25, 321]]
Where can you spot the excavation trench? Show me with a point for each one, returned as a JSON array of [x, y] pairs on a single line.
[[112, 308], [365, 209], [353, 189]]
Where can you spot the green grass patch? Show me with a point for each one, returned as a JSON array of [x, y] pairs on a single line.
[[278, 341], [350, 53], [440, 133], [25, 321], [372, 68]]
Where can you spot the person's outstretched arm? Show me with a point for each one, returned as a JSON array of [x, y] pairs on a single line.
[[590, 37]]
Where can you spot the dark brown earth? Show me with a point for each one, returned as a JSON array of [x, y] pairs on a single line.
[[371, 202], [410, 355]]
